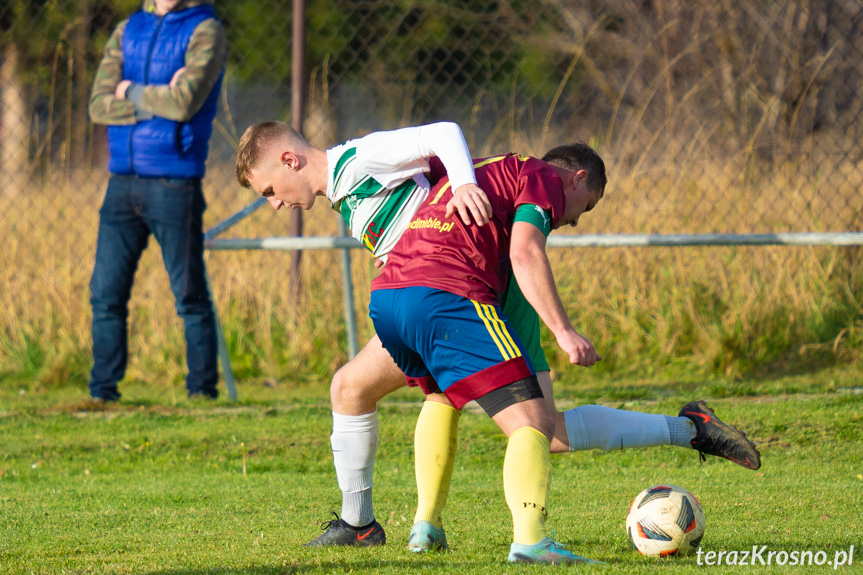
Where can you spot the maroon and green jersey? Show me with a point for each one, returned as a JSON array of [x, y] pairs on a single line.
[[471, 261]]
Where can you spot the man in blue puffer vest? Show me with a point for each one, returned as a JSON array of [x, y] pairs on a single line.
[[156, 88]]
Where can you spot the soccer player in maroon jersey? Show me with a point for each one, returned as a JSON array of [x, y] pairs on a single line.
[[360, 384], [436, 310]]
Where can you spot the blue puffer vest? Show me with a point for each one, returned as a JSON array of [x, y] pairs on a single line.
[[154, 49]]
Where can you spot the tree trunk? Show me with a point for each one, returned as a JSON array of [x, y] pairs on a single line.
[[14, 125]]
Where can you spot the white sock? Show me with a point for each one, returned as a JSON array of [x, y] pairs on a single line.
[[355, 442], [682, 431], [598, 427]]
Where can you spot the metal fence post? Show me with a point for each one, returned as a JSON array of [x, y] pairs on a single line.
[[348, 289], [222, 346], [298, 114]]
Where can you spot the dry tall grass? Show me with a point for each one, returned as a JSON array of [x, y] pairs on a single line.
[[708, 117], [709, 311]]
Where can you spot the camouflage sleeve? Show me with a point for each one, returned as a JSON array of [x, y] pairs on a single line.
[[205, 60], [105, 108]]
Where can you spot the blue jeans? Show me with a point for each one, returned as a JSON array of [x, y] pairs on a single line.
[[172, 210]]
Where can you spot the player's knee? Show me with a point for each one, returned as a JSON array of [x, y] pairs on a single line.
[[353, 390], [340, 389]]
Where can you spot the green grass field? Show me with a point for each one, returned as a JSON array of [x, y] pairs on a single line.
[[163, 485]]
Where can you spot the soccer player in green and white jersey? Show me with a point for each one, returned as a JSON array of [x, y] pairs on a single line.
[[377, 183]]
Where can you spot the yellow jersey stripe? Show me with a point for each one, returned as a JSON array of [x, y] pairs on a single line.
[[490, 161], [440, 193], [502, 331], [494, 338], [446, 186]]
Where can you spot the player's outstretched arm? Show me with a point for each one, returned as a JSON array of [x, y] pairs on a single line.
[[446, 141], [395, 155], [532, 270]]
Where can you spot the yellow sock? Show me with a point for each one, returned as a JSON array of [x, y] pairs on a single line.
[[434, 447], [526, 480]]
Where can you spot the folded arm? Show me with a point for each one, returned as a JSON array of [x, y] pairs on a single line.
[[118, 101], [105, 107]]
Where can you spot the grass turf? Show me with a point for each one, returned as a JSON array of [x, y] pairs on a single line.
[[157, 484]]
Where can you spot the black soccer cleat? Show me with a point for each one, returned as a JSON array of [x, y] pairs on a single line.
[[337, 532], [714, 437]]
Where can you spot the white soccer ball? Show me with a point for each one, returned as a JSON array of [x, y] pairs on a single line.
[[665, 520]]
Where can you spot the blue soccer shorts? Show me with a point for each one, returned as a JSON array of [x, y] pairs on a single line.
[[468, 347]]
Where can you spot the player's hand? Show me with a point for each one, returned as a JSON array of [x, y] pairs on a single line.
[[469, 200], [379, 263], [120, 90], [580, 350]]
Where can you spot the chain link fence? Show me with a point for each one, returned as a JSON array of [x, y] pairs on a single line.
[[729, 116]]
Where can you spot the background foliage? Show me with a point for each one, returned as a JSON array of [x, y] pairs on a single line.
[[736, 116]]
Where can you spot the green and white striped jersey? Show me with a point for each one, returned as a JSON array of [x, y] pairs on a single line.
[[377, 184]]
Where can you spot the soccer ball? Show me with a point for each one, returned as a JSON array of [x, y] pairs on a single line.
[[665, 520]]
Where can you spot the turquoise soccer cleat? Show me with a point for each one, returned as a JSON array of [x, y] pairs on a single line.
[[426, 537], [548, 552]]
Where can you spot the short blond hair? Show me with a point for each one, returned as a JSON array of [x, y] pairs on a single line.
[[257, 139]]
